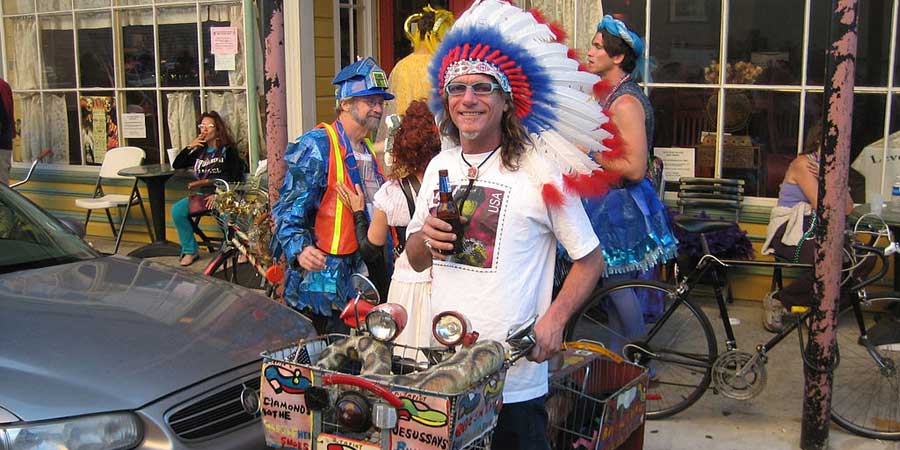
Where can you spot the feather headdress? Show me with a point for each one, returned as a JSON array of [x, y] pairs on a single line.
[[551, 96]]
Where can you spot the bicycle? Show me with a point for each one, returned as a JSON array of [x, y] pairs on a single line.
[[681, 350], [242, 212]]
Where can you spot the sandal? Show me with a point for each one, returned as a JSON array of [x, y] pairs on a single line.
[[188, 259]]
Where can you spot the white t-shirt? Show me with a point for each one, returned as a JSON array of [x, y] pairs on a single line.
[[391, 200], [504, 275]]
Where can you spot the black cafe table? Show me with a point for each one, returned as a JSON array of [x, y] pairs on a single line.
[[891, 218], [155, 177]]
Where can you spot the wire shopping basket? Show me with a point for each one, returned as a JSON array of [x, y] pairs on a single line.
[[596, 402], [295, 416]]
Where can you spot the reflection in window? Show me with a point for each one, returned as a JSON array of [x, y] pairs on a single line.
[[757, 41], [865, 144], [144, 103], [96, 51], [681, 45], [178, 62], [872, 48], [137, 48], [58, 51]]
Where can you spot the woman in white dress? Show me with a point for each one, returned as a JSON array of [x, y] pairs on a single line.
[[416, 142]]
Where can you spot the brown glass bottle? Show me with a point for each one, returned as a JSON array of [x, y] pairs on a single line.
[[447, 211]]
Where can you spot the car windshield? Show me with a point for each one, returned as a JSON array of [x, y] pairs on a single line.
[[29, 238]]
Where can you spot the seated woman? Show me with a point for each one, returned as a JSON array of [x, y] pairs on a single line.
[[416, 142], [211, 155], [790, 234]]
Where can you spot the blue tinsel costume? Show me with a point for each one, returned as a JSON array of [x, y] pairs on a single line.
[[295, 213]]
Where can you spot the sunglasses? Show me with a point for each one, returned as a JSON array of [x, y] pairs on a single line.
[[482, 88], [208, 127]]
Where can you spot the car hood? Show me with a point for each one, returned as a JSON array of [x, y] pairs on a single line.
[[117, 333]]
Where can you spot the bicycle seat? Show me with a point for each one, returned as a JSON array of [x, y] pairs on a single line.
[[695, 225]]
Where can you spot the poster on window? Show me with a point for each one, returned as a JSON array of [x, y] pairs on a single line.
[[99, 130]]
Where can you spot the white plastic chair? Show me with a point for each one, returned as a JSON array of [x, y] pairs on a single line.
[[113, 161]]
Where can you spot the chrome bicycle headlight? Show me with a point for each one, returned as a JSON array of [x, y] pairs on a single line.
[[386, 321], [101, 432], [452, 328]]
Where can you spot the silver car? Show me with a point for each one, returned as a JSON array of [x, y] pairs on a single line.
[[110, 352]]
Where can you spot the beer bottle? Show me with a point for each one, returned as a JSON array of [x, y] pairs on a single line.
[[447, 211]]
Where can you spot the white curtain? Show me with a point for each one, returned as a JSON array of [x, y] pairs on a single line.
[[578, 17], [182, 117], [232, 106], [38, 131]]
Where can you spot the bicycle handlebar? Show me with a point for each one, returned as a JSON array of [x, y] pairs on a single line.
[[877, 251], [34, 164]]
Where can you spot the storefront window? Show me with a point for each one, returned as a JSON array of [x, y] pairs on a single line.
[[95, 50], [76, 93], [873, 43], [684, 40], [57, 51]]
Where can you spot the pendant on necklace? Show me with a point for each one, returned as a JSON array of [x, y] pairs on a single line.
[[473, 173]]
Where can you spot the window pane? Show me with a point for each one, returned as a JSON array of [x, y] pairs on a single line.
[[54, 5], [181, 111], [144, 102], [872, 47], [21, 40], [99, 125], [346, 56], [18, 6], [684, 41], [867, 142], [223, 16], [49, 121], [58, 51], [91, 3], [178, 61], [138, 53], [61, 113], [96, 51], [682, 120], [762, 50]]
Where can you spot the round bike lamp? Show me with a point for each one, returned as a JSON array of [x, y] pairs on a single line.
[[452, 328], [386, 321], [353, 412]]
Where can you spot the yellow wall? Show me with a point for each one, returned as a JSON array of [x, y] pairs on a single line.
[[323, 34]]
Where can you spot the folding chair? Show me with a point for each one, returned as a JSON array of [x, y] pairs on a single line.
[[715, 197], [113, 161]]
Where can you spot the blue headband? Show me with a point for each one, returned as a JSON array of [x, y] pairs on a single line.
[[617, 28]]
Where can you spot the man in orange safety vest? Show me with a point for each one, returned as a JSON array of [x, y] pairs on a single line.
[[314, 230]]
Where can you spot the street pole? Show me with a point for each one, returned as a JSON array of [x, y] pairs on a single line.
[[276, 97], [834, 157]]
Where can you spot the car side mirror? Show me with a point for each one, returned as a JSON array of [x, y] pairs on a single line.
[[75, 226]]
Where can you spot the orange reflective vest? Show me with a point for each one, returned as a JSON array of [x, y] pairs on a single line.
[[334, 221]]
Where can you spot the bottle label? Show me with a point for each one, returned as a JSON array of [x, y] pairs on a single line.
[[444, 184], [895, 191]]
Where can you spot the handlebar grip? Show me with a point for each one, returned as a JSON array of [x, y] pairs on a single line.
[[45, 153], [380, 391]]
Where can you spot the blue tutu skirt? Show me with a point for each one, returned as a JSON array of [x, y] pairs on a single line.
[[633, 227]]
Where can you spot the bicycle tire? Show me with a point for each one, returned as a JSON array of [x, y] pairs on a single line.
[[866, 398], [225, 266], [679, 376]]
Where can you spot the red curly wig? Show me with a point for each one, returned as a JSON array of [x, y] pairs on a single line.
[[416, 142]]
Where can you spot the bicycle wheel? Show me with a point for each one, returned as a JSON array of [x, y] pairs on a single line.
[[866, 387], [679, 346], [225, 266]]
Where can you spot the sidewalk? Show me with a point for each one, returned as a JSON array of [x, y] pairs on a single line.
[[771, 421]]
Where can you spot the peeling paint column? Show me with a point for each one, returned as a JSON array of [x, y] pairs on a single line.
[[276, 98], [834, 157]]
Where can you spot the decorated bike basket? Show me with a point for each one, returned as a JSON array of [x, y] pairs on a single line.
[[305, 406], [596, 402]]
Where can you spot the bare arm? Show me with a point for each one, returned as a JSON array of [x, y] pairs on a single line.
[[628, 117], [805, 174], [575, 290]]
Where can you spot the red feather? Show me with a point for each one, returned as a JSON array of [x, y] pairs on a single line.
[[597, 184], [573, 54], [552, 195], [610, 127], [555, 28], [602, 88]]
